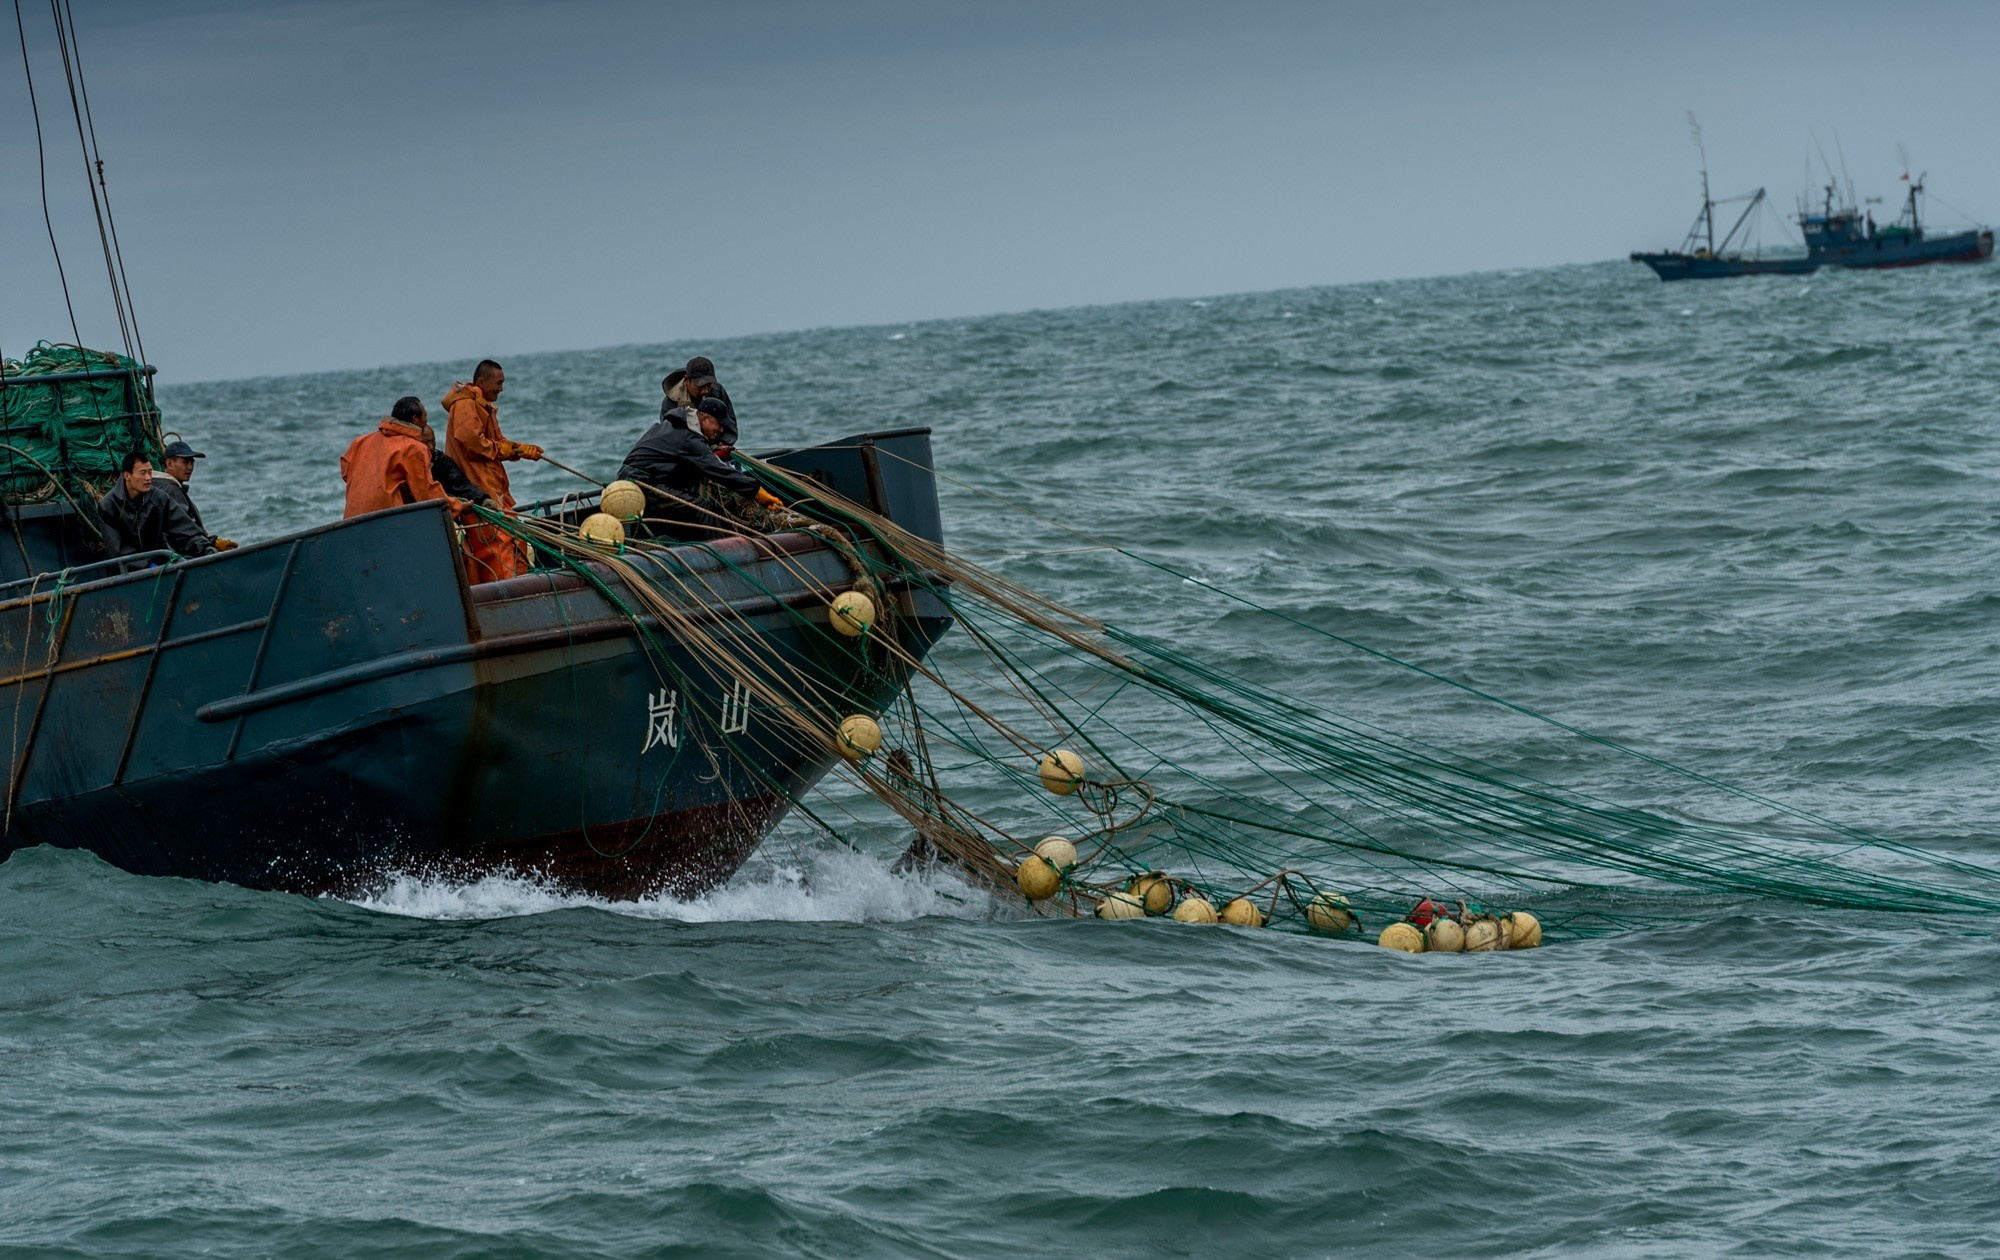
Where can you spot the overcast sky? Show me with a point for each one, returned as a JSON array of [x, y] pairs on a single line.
[[307, 186]]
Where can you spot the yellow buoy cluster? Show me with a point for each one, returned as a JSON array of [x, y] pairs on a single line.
[[622, 499], [1153, 895], [1443, 933]]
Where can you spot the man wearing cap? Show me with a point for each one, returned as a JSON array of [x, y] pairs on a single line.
[[673, 461], [176, 470], [699, 382]]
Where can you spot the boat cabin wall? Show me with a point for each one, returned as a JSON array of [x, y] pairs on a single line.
[[45, 538]]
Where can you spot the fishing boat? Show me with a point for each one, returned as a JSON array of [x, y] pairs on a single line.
[[1839, 236], [1700, 256], [319, 711], [1835, 236]]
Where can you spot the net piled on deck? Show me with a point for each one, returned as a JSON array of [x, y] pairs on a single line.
[[67, 436]]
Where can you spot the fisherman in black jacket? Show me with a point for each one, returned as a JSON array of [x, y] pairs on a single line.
[[673, 461], [171, 479], [139, 517], [698, 382]]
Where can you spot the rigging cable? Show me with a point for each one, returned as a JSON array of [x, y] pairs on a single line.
[[123, 277], [71, 71], [42, 164]]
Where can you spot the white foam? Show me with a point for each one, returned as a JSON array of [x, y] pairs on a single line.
[[823, 886]]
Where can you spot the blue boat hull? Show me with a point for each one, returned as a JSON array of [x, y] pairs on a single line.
[[1677, 266], [323, 711]]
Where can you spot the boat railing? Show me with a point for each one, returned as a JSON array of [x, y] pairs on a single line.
[[113, 567]]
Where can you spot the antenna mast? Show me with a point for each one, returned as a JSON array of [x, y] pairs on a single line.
[[1707, 205]]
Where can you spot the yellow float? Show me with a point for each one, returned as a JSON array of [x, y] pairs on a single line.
[[852, 613], [1243, 912], [1527, 930], [1329, 912], [1061, 771], [1444, 936], [1120, 905], [1402, 936], [860, 736], [1194, 909], [1482, 935], [1037, 879], [601, 529], [622, 499], [1154, 891], [1058, 852]]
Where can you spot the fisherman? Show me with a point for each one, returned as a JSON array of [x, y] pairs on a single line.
[[395, 464], [138, 516], [673, 461], [474, 442], [700, 383], [175, 471]]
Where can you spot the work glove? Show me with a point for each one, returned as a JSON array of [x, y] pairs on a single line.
[[724, 452], [766, 499], [456, 505], [225, 544]]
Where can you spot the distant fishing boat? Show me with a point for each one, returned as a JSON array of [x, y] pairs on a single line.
[[1700, 258], [1835, 236], [1841, 237]]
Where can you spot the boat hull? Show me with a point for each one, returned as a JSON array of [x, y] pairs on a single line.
[[1678, 266], [1887, 251], [305, 715]]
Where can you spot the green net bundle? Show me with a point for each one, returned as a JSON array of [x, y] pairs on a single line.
[[66, 436], [1092, 768]]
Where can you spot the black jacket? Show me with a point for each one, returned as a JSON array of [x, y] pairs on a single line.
[[672, 457], [728, 435], [447, 473], [155, 521], [178, 492]]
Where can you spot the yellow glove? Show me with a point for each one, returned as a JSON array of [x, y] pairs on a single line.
[[766, 499], [527, 450], [224, 544]]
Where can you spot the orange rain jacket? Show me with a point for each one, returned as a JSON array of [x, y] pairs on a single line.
[[472, 438], [388, 467]]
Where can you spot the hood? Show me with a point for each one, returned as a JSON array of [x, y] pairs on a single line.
[[462, 390], [391, 427], [678, 418]]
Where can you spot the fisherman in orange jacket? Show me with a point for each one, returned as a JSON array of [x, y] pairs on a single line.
[[392, 465], [473, 439]]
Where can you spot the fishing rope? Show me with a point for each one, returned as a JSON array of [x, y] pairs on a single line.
[[1286, 802]]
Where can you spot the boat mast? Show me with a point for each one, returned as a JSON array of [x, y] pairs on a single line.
[[1707, 205]]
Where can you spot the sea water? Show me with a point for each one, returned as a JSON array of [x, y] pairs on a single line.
[[1747, 526]]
